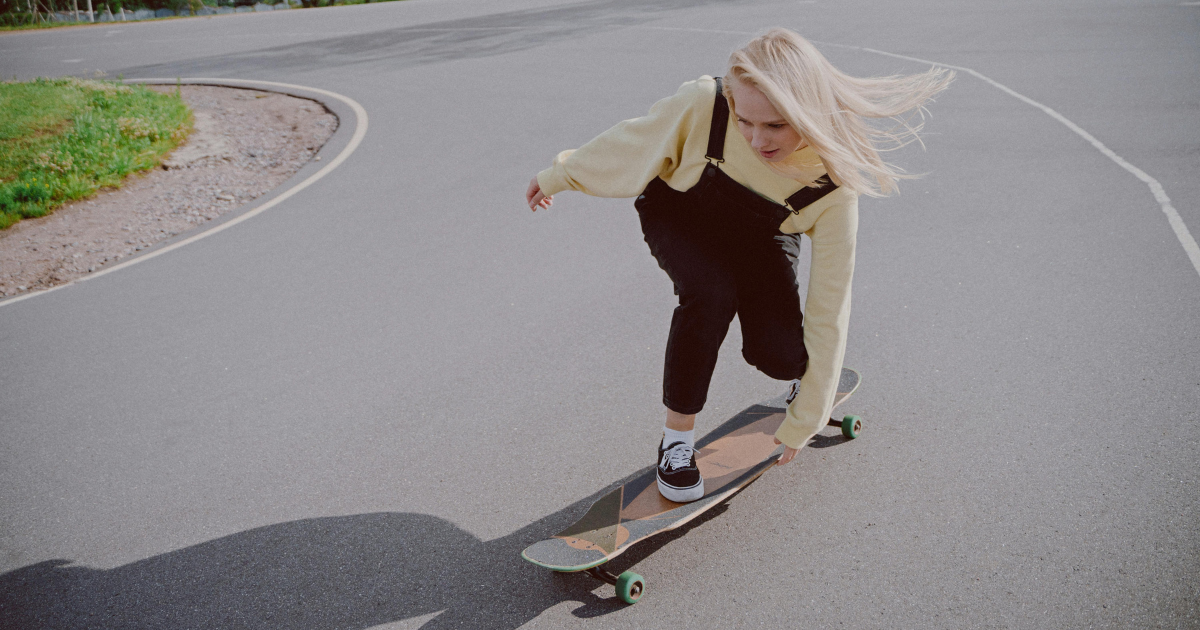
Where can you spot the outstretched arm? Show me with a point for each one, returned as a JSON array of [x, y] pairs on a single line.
[[622, 160]]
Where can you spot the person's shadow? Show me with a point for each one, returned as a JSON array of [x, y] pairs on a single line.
[[336, 572]]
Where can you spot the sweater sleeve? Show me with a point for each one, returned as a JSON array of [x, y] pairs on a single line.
[[826, 317], [621, 161]]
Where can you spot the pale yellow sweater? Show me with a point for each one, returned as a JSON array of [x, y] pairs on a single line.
[[670, 143]]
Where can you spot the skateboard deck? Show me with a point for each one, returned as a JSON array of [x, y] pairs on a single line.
[[730, 457]]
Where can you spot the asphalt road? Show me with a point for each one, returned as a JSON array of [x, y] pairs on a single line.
[[356, 408]]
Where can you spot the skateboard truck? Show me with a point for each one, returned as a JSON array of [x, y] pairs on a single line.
[[629, 585]]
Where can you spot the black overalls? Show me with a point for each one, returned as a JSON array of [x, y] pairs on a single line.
[[720, 243]]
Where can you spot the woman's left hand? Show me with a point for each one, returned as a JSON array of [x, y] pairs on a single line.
[[789, 454]]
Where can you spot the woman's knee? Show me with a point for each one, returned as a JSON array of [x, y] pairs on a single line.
[[781, 360]]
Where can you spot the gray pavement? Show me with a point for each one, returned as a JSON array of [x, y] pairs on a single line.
[[355, 409]]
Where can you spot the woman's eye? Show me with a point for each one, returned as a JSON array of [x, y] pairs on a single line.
[[776, 125]]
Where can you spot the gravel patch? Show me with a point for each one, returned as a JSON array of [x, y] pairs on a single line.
[[245, 143]]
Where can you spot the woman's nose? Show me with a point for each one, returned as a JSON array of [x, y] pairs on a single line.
[[758, 141]]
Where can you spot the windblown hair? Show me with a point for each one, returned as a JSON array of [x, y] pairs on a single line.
[[829, 109]]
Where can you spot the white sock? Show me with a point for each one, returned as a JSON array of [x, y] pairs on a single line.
[[671, 436]]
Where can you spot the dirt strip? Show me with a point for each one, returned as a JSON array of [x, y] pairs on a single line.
[[245, 143]]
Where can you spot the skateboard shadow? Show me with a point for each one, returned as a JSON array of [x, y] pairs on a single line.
[[826, 441], [340, 572], [336, 572]]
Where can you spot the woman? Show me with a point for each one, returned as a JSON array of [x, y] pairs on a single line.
[[723, 211]]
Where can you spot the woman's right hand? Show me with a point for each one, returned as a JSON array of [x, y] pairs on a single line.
[[535, 198]]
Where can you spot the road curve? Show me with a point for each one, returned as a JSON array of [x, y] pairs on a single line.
[[352, 128], [355, 410]]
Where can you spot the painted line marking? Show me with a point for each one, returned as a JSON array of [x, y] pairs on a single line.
[[694, 30], [1160, 194], [360, 131]]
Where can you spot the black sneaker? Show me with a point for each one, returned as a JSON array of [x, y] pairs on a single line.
[[679, 479]]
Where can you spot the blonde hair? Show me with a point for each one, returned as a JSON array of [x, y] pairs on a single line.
[[829, 109]]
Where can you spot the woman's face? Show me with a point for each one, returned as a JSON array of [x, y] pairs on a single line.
[[761, 125]]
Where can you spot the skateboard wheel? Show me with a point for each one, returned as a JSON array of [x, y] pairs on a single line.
[[630, 587], [851, 427]]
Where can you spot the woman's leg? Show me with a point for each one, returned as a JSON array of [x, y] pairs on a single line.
[[680, 422], [769, 307], [708, 299], [707, 302]]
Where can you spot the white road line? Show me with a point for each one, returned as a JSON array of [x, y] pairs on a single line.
[[695, 30], [1160, 195], [360, 131]]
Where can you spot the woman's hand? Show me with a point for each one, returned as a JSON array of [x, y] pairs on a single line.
[[789, 454], [535, 198]]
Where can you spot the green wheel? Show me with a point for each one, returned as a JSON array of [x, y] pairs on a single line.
[[851, 427], [630, 587]]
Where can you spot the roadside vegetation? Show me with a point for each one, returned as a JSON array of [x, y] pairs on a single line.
[[64, 139], [32, 14]]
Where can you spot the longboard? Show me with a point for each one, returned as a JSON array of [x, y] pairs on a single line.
[[730, 457]]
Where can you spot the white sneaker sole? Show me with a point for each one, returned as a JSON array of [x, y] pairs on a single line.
[[681, 495]]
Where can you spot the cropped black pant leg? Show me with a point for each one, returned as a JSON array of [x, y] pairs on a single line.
[[722, 268]]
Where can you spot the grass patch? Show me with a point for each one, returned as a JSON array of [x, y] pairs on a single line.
[[15, 21], [64, 139], [28, 24]]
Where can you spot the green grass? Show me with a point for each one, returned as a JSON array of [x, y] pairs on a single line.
[[24, 21], [64, 139], [25, 25]]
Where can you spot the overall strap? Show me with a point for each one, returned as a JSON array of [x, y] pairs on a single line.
[[716, 132], [716, 154], [808, 195]]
